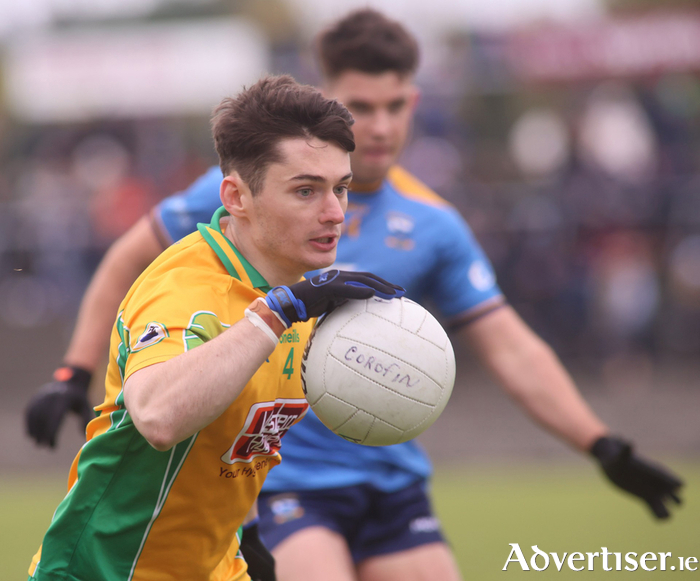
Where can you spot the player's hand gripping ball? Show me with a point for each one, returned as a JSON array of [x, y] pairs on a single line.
[[378, 372]]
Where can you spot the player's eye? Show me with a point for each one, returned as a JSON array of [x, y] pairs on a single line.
[[396, 106], [359, 108], [340, 190], [305, 192]]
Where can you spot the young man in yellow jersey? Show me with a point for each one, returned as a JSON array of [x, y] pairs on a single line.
[[185, 437]]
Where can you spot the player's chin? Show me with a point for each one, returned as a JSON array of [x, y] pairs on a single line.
[[373, 170], [320, 259]]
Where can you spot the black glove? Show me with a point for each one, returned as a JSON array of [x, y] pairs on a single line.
[[325, 291], [48, 407], [651, 482], [261, 563]]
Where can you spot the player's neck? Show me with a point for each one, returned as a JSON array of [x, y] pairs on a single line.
[[271, 272]]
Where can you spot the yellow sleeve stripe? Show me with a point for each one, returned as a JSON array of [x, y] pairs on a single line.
[[412, 188]]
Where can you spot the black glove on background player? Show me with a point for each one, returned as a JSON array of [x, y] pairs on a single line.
[[651, 482], [313, 297], [49, 406], [261, 563]]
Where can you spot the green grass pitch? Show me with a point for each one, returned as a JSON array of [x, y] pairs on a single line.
[[483, 509], [559, 509]]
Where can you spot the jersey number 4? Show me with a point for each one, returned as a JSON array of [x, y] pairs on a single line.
[[289, 364]]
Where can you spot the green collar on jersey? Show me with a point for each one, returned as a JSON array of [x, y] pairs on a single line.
[[255, 277]]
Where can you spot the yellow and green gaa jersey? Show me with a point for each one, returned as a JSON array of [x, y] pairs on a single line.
[[134, 513]]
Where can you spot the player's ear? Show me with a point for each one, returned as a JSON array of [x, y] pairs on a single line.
[[414, 97], [234, 194], [325, 90]]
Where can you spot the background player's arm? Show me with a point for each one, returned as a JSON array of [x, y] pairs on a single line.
[[170, 401], [528, 369], [122, 264], [120, 267]]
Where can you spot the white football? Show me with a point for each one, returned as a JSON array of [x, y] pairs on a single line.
[[378, 372]]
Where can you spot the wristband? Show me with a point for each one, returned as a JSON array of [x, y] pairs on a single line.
[[77, 375], [265, 319], [608, 448], [285, 305]]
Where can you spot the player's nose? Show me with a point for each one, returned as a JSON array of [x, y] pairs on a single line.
[[333, 209], [381, 123]]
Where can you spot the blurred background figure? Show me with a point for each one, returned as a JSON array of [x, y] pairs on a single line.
[[567, 133]]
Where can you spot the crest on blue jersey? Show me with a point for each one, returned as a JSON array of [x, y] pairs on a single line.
[[400, 227], [155, 332], [399, 224], [481, 276]]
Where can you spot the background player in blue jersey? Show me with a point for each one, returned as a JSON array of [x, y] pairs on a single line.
[[365, 511]]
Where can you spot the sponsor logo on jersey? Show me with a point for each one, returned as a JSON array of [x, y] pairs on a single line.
[[264, 427], [290, 337], [481, 276], [285, 507], [155, 332]]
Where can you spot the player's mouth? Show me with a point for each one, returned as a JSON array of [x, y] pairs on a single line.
[[325, 243], [377, 152]]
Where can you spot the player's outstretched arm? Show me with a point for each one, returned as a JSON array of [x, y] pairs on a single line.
[[170, 401], [125, 260], [120, 267], [528, 369]]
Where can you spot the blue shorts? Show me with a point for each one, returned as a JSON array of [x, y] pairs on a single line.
[[371, 521]]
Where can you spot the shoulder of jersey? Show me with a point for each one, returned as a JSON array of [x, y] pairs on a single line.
[[172, 256], [411, 188]]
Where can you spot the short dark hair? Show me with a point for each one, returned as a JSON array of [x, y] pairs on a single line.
[[248, 128], [367, 41]]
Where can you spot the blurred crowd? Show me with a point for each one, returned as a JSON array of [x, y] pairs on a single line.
[[587, 201], [69, 192], [585, 195]]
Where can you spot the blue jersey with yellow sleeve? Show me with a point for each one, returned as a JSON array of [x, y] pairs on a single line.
[[408, 235], [178, 215]]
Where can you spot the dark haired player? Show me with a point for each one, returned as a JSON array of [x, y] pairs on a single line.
[[197, 394], [366, 510]]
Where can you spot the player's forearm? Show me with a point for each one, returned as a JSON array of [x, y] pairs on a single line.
[[98, 310], [120, 267], [528, 370], [539, 382], [170, 401]]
